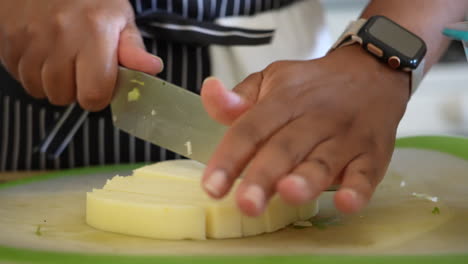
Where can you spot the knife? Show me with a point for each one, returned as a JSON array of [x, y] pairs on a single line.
[[164, 114]]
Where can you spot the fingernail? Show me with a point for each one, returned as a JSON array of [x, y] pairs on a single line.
[[208, 79], [356, 199], [299, 182], [160, 61], [233, 98], [255, 195], [300, 185], [216, 182]]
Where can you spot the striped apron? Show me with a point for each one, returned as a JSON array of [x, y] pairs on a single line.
[[25, 122]]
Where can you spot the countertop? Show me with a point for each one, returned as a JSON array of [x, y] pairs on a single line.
[[11, 176]]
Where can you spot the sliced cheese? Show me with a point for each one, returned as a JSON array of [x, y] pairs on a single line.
[[133, 216], [279, 214], [223, 217], [165, 201], [223, 221], [252, 226], [186, 170], [307, 211]]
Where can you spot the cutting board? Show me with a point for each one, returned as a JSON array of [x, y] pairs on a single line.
[[43, 220]]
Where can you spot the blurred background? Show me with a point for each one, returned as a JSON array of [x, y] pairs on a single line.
[[440, 106]]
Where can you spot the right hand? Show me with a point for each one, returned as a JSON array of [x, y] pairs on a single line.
[[69, 50]]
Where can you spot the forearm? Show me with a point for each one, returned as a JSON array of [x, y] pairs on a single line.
[[425, 18]]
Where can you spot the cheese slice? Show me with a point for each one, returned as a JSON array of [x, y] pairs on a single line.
[[165, 201], [119, 213], [186, 170]]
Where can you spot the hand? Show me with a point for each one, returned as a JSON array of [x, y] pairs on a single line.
[[70, 50], [299, 126]]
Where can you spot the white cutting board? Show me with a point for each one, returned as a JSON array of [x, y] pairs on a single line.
[[395, 222]]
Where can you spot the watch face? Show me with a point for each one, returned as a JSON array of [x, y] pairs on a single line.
[[394, 40]]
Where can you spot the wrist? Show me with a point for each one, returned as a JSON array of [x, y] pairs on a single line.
[[358, 62]]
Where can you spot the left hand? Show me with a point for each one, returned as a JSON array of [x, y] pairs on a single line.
[[299, 126]]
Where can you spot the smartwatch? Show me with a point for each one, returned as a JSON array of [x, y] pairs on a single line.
[[390, 43]]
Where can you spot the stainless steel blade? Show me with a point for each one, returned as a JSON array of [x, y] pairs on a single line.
[[164, 114]]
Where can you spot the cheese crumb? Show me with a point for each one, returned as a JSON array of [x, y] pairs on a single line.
[[153, 112], [434, 199], [134, 95], [188, 144], [137, 82], [303, 224], [38, 230], [402, 184]]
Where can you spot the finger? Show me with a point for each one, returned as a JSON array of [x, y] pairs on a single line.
[[277, 157], [96, 69], [58, 77], [240, 142], [222, 105], [133, 55], [321, 168], [30, 68], [360, 179], [11, 49]]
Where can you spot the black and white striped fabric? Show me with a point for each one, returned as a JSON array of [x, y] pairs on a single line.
[[179, 31]]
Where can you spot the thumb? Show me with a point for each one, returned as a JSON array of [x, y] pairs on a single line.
[[226, 106], [133, 55]]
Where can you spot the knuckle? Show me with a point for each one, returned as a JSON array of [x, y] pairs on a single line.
[[94, 101], [370, 173], [275, 66], [286, 148], [346, 122], [61, 22], [11, 32], [59, 92], [10, 66], [61, 99], [33, 30], [56, 91], [247, 132], [35, 93], [28, 83], [322, 164], [284, 145], [371, 141], [32, 89], [265, 176], [252, 77], [8, 34], [96, 20]]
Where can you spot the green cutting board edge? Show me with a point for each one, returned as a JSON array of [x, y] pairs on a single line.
[[450, 145]]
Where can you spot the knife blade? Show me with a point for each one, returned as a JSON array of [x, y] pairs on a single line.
[[164, 114], [167, 115]]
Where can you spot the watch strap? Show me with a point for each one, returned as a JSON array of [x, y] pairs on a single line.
[[417, 76], [350, 35]]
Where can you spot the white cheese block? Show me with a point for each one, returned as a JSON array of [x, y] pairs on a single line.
[[165, 201]]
